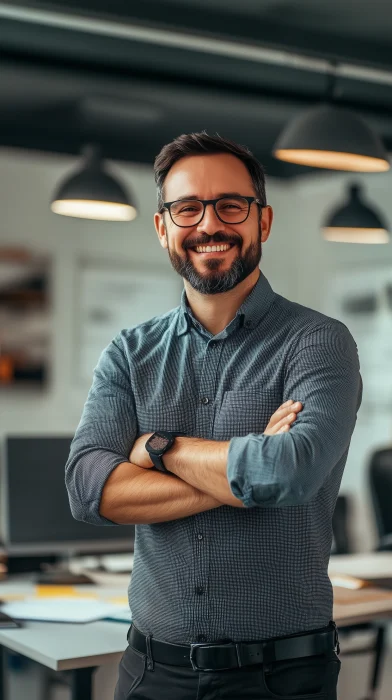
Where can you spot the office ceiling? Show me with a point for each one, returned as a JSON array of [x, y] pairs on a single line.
[[132, 76]]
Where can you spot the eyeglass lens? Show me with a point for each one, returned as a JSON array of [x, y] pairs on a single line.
[[233, 210]]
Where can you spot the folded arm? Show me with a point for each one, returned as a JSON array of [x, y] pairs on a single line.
[[287, 469], [132, 495], [104, 488]]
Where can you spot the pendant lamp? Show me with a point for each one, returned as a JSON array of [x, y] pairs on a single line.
[[91, 192], [355, 222], [327, 136]]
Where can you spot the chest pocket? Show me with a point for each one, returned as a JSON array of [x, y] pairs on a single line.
[[167, 412], [244, 412]]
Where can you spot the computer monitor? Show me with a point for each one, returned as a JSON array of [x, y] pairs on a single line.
[[35, 509]]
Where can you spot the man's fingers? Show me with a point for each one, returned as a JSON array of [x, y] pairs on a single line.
[[284, 411], [282, 427], [284, 416], [286, 420]]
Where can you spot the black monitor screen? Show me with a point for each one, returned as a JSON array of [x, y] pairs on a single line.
[[37, 500]]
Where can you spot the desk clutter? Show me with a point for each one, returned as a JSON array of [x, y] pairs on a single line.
[[25, 601], [62, 609]]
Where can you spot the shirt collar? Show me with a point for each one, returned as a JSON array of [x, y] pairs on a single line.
[[257, 303], [250, 312]]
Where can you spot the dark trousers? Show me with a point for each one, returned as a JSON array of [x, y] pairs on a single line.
[[297, 679]]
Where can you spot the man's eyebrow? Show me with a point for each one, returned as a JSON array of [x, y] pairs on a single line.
[[221, 194]]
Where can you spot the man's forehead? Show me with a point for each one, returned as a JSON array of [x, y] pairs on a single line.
[[221, 172]]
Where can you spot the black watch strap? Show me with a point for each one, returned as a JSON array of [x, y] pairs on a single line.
[[157, 458], [158, 463]]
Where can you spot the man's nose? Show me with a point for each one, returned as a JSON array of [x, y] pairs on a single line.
[[210, 223]]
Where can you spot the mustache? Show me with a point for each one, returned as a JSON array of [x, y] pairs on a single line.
[[212, 240]]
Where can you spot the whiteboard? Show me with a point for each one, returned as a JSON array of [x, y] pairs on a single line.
[[112, 297]]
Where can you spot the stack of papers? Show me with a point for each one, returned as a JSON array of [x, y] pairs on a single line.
[[63, 609]]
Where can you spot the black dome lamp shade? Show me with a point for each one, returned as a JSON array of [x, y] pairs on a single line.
[[327, 136], [92, 193], [355, 222]]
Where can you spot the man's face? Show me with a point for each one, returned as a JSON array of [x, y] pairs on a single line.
[[210, 177]]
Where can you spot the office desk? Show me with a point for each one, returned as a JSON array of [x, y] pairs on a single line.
[[355, 607], [78, 648]]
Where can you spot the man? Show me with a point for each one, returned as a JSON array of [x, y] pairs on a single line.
[[221, 429]]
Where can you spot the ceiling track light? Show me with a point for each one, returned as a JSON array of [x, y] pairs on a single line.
[[91, 192], [332, 137], [355, 222]]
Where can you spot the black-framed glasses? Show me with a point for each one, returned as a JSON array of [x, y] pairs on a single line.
[[229, 210]]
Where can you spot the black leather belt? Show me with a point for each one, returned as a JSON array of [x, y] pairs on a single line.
[[221, 656]]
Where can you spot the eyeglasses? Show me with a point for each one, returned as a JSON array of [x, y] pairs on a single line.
[[229, 210]]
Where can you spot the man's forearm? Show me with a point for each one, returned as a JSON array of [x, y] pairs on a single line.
[[133, 495], [202, 464]]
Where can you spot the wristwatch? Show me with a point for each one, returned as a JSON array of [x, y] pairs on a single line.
[[156, 446]]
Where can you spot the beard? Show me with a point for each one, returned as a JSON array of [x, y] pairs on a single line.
[[215, 281]]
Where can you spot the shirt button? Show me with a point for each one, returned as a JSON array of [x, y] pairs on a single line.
[[200, 537], [201, 638], [199, 590], [205, 400], [248, 324]]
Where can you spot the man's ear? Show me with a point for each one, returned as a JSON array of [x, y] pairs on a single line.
[[266, 217], [160, 228]]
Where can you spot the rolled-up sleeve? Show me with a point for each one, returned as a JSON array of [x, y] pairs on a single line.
[[104, 436], [289, 469]]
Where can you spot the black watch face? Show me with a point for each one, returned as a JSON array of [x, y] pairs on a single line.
[[158, 442]]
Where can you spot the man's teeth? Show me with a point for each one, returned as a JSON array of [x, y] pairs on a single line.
[[212, 248]]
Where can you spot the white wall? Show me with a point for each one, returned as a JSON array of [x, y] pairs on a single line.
[[296, 260], [27, 183]]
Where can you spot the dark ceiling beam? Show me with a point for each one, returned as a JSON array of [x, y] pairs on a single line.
[[215, 45], [230, 25]]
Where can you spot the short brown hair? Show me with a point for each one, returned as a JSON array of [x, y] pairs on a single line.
[[201, 143]]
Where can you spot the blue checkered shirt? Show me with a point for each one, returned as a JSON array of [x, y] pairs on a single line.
[[232, 573]]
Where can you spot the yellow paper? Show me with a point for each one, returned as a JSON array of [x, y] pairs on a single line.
[[120, 600], [47, 591]]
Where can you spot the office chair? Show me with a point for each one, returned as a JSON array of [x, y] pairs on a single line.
[[380, 479], [340, 528], [343, 545]]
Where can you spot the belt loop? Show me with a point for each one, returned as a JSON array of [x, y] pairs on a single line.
[[238, 654], [150, 660], [337, 645]]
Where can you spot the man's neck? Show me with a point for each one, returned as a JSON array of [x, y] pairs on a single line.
[[215, 311]]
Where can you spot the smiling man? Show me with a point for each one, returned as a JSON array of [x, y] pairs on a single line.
[[221, 429]]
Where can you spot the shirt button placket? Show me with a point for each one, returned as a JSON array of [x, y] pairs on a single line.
[[204, 426]]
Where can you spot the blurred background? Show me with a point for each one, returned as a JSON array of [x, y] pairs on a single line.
[[89, 93]]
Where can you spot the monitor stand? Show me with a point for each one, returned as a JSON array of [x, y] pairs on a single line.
[[60, 574], [62, 577]]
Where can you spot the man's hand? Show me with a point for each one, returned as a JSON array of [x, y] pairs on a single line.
[[139, 454], [282, 419]]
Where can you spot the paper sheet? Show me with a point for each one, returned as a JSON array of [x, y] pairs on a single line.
[[63, 610]]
